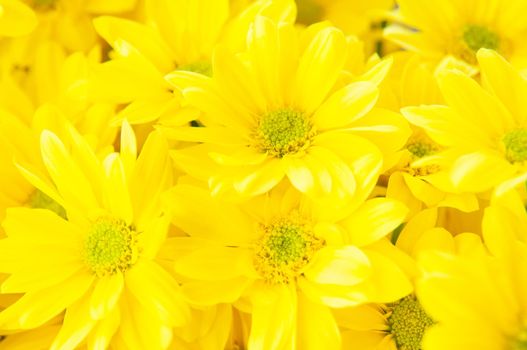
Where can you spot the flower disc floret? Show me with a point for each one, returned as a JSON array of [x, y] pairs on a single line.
[[520, 341], [515, 143], [421, 149], [287, 246], [477, 37], [285, 131], [110, 246], [408, 323]]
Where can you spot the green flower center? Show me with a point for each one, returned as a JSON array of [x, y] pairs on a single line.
[[477, 37], [308, 12], [408, 323], [520, 341], [285, 131], [421, 149], [110, 246], [287, 245], [515, 145], [39, 200], [200, 67]]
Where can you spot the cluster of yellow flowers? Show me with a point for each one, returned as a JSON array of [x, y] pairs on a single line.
[[263, 175]]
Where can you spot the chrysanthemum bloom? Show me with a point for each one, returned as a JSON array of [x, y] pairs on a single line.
[[19, 142], [402, 324], [68, 23], [458, 29], [286, 261], [99, 265], [179, 35], [483, 129], [17, 18], [354, 17], [478, 301], [278, 110], [421, 179]]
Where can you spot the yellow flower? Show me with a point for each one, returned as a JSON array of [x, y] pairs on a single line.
[[285, 260], [100, 264], [278, 110], [458, 29], [354, 17], [16, 18], [402, 324], [20, 142], [483, 129], [179, 35], [479, 301]]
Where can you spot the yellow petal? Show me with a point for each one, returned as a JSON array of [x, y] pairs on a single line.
[[207, 293], [36, 308], [273, 324], [319, 68], [374, 220], [467, 171], [346, 105], [157, 290], [77, 325], [341, 266], [317, 328], [105, 295], [17, 18], [215, 263]]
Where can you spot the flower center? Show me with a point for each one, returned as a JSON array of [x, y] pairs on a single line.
[[475, 37], [285, 131], [408, 323], [287, 246], [39, 200], [515, 143], [110, 247], [200, 67], [421, 149], [520, 341], [308, 12]]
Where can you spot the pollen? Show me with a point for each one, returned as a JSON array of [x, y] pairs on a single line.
[[408, 323], [110, 246], [515, 143], [286, 247], [40, 200], [285, 131]]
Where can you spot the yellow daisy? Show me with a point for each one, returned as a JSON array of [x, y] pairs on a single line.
[[458, 29], [479, 301], [354, 17], [176, 35], [20, 142], [483, 129], [16, 18], [285, 260], [278, 110], [100, 265], [402, 324], [68, 23]]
